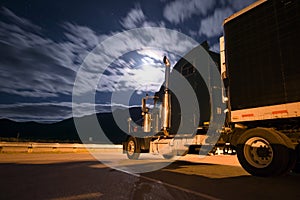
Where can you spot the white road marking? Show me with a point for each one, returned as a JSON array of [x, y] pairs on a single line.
[[200, 194], [81, 196]]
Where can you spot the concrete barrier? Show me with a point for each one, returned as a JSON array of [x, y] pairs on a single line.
[[29, 147]]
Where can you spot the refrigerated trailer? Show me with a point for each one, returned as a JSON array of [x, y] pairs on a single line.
[[260, 72], [259, 64]]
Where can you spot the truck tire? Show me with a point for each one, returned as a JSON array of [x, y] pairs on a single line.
[[132, 149], [262, 152]]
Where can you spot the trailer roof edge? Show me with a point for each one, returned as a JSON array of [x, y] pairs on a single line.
[[244, 10]]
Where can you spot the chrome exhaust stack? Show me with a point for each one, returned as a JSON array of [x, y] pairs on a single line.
[[167, 99]]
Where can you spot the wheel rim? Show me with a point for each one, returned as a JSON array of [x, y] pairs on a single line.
[[130, 148], [258, 152]]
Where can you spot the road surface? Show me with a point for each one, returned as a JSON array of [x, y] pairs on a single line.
[[77, 176]]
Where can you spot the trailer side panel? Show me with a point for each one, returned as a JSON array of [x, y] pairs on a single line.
[[263, 47]]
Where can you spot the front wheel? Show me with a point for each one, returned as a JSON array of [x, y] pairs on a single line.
[[132, 149], [262, 152]]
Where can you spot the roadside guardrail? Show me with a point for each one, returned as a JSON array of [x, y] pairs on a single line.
[[29, 147]]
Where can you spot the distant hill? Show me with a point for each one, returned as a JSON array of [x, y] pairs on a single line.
[[65, 131]]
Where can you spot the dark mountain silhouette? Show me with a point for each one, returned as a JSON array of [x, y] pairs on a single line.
[[65, 131]]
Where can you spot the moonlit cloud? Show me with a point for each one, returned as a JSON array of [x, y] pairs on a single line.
[[212, 25], [157, 55], [82, 37], [215, 47], [149, 76], [19, 21], [181, 10], [135, 18], [35, 66], [210, 14], [238, 5], [145, 42], [43, 112], [33, 70], [36, 111]]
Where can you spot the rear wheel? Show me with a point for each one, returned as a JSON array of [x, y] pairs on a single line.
[[132, 149], [258, 152], [262, 152]]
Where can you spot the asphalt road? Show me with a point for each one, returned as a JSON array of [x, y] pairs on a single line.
[[80, 176]]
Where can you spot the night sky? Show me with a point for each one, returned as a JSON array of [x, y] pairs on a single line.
[[44, 43]]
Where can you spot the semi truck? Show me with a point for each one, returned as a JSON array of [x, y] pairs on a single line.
[[260, 96]]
